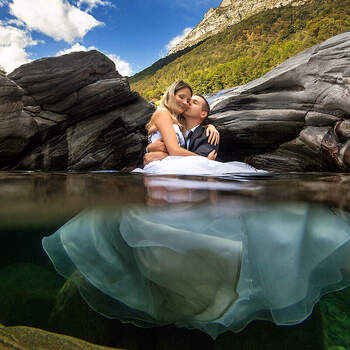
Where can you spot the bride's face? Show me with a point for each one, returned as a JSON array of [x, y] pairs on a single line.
[[182, 100]]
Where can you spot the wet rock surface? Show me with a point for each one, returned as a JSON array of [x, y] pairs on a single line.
[[296, 117], [72, 112]]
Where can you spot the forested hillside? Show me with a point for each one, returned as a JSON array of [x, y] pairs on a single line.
[[247, 50]]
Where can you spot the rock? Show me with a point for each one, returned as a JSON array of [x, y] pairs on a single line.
[[50, 80], [342, 129], [108, 141], [295, 118], [78, 114], [98, 97], [26, 338], [17, 131], [78, 84], [111, 140]]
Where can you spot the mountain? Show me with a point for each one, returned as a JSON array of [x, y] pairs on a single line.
[[2, 71], [228, 13], [246, 50]]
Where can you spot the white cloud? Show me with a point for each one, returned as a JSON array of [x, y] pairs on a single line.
[[90, 4], [174, 41], [55, 18], [16, 22], [123, 67], [13, 42], [76, 47]]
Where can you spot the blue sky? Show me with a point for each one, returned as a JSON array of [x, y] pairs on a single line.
[[133, 33]]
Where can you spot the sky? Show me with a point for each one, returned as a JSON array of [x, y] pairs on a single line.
[[133, 33]]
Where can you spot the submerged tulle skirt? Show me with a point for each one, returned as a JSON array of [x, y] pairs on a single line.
[[211, 268]]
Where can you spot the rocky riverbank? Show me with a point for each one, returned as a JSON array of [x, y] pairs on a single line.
[[76, 112]]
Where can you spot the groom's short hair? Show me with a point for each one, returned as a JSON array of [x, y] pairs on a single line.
[[205, 104]]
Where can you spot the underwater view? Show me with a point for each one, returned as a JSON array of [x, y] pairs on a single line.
[[130, 261]]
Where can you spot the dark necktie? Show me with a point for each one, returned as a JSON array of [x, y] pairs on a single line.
[[188, 139]]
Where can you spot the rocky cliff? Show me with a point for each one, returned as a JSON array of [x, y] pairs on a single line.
[[228, 13]]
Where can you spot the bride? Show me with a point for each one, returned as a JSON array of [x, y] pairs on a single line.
[[178, 142]]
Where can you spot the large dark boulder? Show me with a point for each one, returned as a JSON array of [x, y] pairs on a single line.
[[296, 117], [17, 131], [49, 80], [79, 84], [72, 112]]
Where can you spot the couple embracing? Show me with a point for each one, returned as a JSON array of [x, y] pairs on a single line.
[[178, 140]]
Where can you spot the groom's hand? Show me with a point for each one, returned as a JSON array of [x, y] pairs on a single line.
[[157, 146], [151, 156]]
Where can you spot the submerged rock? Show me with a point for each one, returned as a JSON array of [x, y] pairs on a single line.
[[26, 338]]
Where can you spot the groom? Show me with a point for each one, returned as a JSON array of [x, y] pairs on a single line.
[[196, 139]]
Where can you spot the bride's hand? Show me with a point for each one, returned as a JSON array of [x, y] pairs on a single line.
[[212, 155], [212, 132]]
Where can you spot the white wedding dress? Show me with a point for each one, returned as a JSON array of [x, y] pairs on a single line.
[[192, 165], [212, 268]]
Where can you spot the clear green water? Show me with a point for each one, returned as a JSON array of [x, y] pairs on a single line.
[[36, 204]]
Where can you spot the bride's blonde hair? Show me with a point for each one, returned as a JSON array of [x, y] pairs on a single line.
[[169, 102]]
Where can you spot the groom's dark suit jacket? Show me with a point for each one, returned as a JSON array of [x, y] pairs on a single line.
[[198, 144]]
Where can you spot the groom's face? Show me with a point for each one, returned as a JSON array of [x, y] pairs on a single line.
[[195, 108]]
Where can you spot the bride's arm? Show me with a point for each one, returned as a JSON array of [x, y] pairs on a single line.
[[164, 124], [213, 134]]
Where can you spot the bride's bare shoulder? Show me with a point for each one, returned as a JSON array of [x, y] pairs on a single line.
[[161, 113]]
